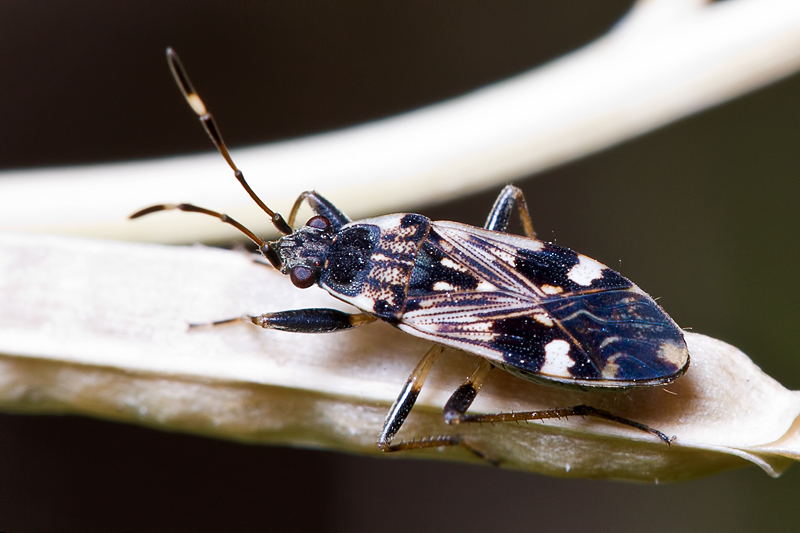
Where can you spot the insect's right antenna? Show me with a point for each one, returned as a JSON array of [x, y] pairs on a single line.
[[211, 128]]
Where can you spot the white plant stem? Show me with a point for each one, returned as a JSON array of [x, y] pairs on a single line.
[[666, 60]]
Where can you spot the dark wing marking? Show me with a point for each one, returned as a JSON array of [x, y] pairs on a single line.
[[539, 310], [625, 333]]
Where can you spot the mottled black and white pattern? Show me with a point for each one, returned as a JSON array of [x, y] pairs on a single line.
[[378, 280], [538, 310], [535, 309]]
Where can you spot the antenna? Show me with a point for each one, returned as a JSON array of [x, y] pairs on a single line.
[[194, 209], [197, 105]]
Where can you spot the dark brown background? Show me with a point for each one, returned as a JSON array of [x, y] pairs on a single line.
[[703, 213]]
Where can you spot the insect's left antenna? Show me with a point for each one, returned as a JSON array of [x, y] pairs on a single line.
[[211, 128]]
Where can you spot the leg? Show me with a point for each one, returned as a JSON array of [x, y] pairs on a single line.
[[456, 408], [578, 410], [462, 398], [320, 206], [302, 320], [459, 403], [501, 211], [402, 407]]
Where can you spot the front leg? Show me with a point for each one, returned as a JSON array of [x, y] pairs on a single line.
[[319, 320], [320, 206], [311, 320]]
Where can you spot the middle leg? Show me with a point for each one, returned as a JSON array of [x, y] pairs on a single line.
[[462, 398], [500, 215]]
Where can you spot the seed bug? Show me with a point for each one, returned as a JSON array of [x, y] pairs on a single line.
[[539, 311]]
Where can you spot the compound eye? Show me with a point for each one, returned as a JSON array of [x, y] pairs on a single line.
[[319, 222], [302, 277]]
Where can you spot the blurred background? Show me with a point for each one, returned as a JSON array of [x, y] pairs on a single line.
[[702, 213]]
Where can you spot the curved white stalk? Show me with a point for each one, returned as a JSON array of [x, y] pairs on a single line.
[[667, 59]]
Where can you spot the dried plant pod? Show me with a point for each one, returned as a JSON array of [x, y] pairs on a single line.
[[100, 328]]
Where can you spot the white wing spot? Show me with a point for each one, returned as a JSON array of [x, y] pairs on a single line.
[[551, 289], [556, 359], [586, 271], [443, 286], [449, 263], [611, 369], [485, 286], [673, 353], [609, 340]]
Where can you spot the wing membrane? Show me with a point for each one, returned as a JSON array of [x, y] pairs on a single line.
[[539, 310]]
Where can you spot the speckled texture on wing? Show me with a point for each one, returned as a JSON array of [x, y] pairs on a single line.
[[539, 310]]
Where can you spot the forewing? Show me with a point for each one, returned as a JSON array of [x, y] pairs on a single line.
[[539, 310]]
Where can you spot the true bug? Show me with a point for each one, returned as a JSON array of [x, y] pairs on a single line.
[[537, 310]]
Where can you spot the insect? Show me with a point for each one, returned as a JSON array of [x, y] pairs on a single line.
[[539, 311]]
